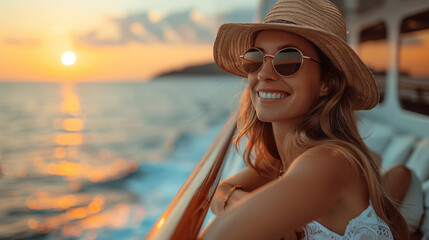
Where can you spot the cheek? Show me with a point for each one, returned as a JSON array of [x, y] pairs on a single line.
[[251, 83], [313, 83], [251, 80]]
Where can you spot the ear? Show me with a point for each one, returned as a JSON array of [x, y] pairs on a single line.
[[324, 89]]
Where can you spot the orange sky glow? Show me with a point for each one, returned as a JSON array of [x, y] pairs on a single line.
[[41, 61], [132, 62], [413, 58], [131, 40], [112, 40]]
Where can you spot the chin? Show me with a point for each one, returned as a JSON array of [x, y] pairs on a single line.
[[268, 118], [271, 118]]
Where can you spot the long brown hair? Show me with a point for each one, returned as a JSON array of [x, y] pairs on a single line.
[[331, 122]]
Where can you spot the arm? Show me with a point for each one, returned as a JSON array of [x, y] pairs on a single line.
[[247, 178], [309, 189]]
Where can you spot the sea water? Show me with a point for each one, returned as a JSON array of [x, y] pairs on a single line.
[[102, 160]]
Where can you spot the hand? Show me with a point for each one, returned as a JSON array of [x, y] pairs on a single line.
[[236, 196]]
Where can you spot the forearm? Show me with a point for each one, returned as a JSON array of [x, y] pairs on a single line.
[[246, 178], [239, 222], [224, 194]]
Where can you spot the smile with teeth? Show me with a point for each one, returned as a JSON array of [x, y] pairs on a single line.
[[272, 95]]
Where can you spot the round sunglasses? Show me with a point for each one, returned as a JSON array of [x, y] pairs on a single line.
[[286, 62]]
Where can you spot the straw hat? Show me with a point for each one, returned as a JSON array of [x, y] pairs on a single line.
[[318, 21]]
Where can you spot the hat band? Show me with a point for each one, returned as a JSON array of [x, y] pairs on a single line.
[[280, 21]]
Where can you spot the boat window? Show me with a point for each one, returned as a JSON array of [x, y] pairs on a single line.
[[414, 63], [373, 51]]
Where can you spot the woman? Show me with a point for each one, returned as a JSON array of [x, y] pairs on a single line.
[[309, 173]]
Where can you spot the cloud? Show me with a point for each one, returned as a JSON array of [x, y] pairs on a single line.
[[148, 27], [237, 16], [22, 41], [155, 27]]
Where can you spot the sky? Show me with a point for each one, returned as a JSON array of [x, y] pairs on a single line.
[[128, 40], [113, 40]]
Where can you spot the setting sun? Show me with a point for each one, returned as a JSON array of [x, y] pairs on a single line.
[[68, 58]]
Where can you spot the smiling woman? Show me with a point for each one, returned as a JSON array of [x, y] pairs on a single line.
[[68, 58]]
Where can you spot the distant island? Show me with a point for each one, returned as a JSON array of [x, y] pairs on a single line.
[[203, 69]]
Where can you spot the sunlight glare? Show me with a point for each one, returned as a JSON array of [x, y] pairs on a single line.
[[68, 58]]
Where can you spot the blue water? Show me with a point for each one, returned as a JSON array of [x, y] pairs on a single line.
[[102, 160]]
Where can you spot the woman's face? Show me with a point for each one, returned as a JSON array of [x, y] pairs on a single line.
[[301, 90]]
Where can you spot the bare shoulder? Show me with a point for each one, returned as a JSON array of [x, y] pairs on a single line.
[[324, 164], [324, 152]]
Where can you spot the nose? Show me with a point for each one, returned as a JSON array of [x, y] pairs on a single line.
[[267, 72]]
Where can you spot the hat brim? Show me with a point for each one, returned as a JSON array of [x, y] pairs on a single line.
[[233, 39]]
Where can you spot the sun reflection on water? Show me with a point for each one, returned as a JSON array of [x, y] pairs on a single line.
[[65, 139], [89, 217], [73, 124], [79, 212], [71, 103]]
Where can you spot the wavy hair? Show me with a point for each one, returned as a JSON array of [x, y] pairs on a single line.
[[330, 122]]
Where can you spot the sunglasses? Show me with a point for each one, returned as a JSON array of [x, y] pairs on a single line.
[[286, 62]]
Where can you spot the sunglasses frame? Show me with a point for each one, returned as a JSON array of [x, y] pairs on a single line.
[[273, 56]]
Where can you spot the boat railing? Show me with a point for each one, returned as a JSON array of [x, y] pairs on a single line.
[[185, 215]]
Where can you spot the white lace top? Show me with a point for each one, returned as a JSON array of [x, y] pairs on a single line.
[[366, 226]]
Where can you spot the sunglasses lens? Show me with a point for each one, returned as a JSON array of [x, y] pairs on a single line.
[[252, 60], [288, 61]]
